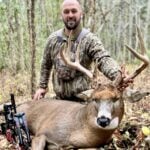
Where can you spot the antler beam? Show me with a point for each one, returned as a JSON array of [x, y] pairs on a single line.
[[64, 53], [143, 57]]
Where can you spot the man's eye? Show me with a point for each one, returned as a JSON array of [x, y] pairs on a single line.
[[66, 11], [74, 11]]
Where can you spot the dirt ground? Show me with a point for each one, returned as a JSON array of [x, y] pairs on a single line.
[[129, 136]]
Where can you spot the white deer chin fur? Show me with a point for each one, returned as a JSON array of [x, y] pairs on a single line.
[[113, 124]]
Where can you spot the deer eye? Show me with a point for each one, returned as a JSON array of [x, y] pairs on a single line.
[[116, 103], [115, 99], [94, 99]]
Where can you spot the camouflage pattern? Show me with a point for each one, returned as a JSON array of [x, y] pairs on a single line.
[[91, 49]]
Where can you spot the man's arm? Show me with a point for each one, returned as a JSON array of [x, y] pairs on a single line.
[[46, 67], [107, 65]]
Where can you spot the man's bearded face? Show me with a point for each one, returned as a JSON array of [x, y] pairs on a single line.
[[71, 15]]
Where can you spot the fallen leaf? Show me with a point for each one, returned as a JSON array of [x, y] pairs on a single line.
[[146, 131]]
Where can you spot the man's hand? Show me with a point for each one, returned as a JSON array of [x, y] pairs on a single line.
[[40, 93], [125, 81]]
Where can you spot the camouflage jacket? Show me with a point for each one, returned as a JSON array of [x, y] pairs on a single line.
[[71, 82]]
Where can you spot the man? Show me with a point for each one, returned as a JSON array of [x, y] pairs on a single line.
[[66, 82]]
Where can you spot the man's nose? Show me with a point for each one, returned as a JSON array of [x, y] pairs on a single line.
[[70, 14]]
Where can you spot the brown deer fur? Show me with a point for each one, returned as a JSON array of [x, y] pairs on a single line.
[[65, 124]]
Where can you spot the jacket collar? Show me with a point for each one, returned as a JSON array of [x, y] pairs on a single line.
[[74, 35]]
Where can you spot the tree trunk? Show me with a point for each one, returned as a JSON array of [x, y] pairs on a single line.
[[33, 48], [20, 54], [32, 34]]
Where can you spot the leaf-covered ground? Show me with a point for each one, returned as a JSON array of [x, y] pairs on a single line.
[[130, 134]]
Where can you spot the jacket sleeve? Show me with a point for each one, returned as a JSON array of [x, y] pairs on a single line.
[[46, 64], [106, 64]]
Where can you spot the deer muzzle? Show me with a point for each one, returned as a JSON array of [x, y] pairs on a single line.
[[105, 118], [107, 123], [103, 121]]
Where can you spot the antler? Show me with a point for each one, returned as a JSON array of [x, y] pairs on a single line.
[[76, 64], [143, 57]]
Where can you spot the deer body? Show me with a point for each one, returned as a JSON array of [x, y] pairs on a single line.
[[74, 124]]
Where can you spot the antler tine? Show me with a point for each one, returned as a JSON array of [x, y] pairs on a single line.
[[119, 78], [142, 57], [76, 64], [77, 55], [142, 46]]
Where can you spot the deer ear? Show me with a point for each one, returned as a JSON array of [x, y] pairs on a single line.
[[85, 95], [133, 95]]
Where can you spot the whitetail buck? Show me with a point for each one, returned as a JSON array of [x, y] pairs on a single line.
[[63, 124]]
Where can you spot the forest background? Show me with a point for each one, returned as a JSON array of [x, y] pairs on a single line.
[[26, 24], [24, 28]]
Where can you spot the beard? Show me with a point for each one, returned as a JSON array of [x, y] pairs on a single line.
[[71, 24]]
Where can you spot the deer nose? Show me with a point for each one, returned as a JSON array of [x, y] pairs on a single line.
[[103, 121]]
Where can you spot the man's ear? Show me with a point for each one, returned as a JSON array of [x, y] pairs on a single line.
[[82, 15]]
